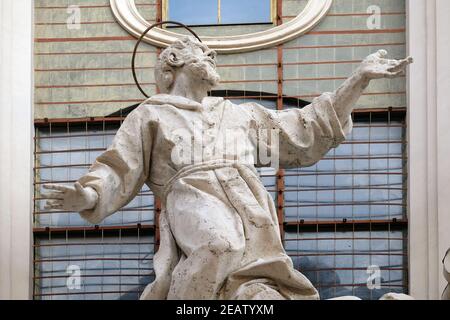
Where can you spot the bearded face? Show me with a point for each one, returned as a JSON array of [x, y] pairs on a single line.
[[201, 66], [187, 58]]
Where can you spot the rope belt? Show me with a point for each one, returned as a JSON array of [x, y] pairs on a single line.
[[204, 166]]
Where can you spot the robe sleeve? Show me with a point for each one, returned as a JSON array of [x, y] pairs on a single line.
[[304, 135], [119, 173]]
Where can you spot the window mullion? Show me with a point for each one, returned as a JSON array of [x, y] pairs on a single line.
[[219, 18]]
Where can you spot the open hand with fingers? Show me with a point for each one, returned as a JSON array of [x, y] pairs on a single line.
[[70, 198], [376, 66]]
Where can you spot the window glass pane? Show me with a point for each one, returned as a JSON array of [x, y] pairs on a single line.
[[109, 267], [204, 12], [64, 154], [112, 263], [248, 11], [337, 262], [193, 12], [363, 179]]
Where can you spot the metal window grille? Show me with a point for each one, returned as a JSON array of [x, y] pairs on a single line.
[[112, 260], [345, 217]]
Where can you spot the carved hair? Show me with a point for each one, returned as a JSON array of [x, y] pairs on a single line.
[[175, 56]]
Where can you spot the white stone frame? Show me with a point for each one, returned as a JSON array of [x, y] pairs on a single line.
[[429, 145], [129, 18], [16, 145]]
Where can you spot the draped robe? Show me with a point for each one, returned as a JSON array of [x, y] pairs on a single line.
[[219, 229]]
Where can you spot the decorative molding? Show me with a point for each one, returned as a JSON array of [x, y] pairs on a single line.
[[129, 18], [429, 145], [16, 145]]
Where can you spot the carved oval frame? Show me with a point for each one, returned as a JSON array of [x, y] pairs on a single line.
[[129, 18]]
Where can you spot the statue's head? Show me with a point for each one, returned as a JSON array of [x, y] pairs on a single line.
[[190, 58]]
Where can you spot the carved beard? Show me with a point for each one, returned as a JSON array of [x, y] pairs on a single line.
[[203, 71]]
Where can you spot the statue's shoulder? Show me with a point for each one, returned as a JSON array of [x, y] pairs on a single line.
[[144, 107], [251, 107], [144, 112]]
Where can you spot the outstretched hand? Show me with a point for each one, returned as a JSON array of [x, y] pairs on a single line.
[[376, 66], [70, 198]]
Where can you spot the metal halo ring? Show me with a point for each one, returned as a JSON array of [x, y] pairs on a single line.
[[140, 40]]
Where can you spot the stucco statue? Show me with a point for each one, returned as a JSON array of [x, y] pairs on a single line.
[[220, 236]]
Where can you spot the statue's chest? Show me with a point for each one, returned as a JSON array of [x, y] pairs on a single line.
[[209, 126]]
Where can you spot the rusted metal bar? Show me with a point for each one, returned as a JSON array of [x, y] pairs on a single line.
[[280, 201], [93, 259], [346, 225], [82, 275], [399, 110], [85, 293], [70, 150], [380, 125], [157, 204], [149, 193], [334, 46], [280, 183], [35, 194], [324, 158], [344, 239], [343, 143], [349, 222], [372, 142], [46, 122], [341, 189], [335, 204], [68, 244], [63, 211], [363, 285], [58, 230], [350, 269], [337, 173], [337, 254], [105, 134]]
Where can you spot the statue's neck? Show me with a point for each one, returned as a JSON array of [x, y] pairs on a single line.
[[189, 88]]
